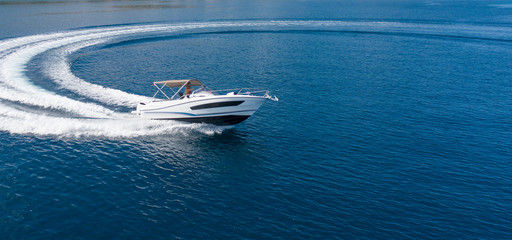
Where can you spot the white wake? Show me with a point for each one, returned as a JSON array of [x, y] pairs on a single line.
[[81, 118]]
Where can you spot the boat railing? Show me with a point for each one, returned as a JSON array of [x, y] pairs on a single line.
[[243, 91], [235, 91], [248, 91]]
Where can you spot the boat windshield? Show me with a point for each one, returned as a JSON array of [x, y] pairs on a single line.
[[201, 89]]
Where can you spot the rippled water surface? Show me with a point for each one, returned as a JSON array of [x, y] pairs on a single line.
[[394, 120]]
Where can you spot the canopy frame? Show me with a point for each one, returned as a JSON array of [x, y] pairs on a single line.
[[173, 84]]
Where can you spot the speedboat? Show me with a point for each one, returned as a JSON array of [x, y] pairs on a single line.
[[200, 104]]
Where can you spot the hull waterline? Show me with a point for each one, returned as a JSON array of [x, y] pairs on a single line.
[[218, 120]]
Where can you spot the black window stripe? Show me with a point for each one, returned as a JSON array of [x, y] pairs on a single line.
[[217, 104]]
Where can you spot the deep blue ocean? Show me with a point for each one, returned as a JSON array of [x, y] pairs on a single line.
[[394, 120]]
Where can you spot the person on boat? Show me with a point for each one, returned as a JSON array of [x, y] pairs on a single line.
[[188, 89]]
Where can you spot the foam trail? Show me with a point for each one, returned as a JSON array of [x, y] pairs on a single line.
[[20, 88], [60, 71], [15, 56], [19, 122], [49, 101], [16, 86]]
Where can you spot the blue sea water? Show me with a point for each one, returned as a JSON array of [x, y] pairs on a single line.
[[394, 120]]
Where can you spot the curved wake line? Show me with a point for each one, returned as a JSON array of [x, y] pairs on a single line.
[[60, 71], [16, 86], [19, 122]]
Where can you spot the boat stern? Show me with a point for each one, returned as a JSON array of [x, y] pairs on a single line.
[[140, 106]]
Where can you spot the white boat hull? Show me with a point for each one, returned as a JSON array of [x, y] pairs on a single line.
[[215, 109]]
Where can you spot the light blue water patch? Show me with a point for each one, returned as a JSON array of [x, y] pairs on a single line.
[[503, 5]]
